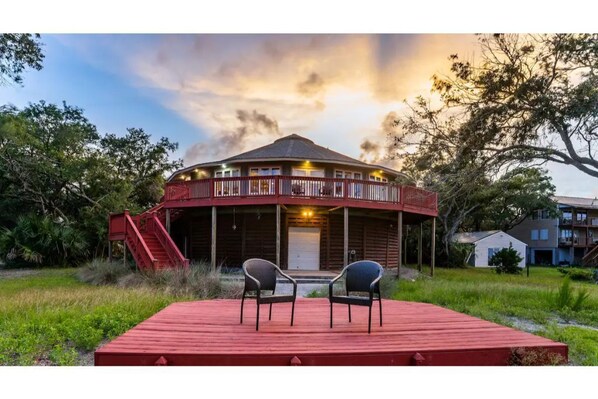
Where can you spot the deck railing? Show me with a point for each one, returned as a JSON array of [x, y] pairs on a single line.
[[141, 253], [153, 225], [300, 187]]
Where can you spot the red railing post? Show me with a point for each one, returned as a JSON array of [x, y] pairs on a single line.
[[345, 188], [212, 183], [277, 186]]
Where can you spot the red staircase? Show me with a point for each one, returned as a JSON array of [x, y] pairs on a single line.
[[148, 241]]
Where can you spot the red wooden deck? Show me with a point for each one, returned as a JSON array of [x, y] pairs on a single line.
[[209, 333]]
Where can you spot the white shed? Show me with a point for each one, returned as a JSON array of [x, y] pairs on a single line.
[[487, 243]]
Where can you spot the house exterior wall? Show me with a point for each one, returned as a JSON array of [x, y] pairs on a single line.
[[287, 169], [499, 240], [523, 232], [370, 237]]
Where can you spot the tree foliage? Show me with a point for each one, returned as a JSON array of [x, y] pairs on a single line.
[[55, 169], [18, 51], [498, 120], [527, 98]]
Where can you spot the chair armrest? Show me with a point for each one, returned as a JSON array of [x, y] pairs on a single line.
[[373, 286], [256, 281], [291, 279], [334, 280]]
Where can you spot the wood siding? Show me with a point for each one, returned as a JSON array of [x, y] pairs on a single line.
[[371, 237]]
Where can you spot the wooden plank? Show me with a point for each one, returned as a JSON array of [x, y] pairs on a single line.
[[209, 333], [213, 241], [433, 248], [400, 240]]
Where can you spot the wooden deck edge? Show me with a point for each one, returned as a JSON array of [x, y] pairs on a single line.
[[471, 357]]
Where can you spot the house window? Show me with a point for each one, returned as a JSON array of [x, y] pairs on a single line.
[[580, 217], [542, 214], [306, 187], [264, 186], [492, 251], [544, 234], [567, 217], [347, 174], [378, 178], [308, 172], [227, 187], [534, 235], [355, 189]]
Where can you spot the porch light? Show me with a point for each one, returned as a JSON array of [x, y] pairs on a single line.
[[223, 165], [307, 213]]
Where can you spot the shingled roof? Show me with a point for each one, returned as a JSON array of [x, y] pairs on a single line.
[[292, 148], [295, 147]]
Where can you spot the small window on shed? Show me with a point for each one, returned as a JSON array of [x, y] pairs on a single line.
[[534, 235]]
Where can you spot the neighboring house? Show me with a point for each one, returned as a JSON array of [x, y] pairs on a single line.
[[292, 202], [565, 239], [486, 243]]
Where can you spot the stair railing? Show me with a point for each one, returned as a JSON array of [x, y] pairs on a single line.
[[153, 225], [141, 253]]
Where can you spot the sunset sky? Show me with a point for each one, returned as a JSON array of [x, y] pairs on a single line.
[[218, 95]]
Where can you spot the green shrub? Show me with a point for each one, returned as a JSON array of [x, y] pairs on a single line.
[[459, 254], [567, 299], [577, 274], [506, 261], [103, 272]]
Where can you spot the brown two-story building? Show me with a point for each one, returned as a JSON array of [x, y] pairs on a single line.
[[569, 238], [292, 202]]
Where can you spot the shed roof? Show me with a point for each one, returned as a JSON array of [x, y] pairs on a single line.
[[473, 236]]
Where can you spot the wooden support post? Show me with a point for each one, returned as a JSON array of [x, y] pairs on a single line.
[[213, 248], [109, 251], [400, 243], [419, 246], [405, 245], [185, 247], [278, 235], [346, 238], [433, 248], [168, 221]]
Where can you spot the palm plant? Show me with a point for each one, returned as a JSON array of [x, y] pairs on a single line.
[[40, 239]]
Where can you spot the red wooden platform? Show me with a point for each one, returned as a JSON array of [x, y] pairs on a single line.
[[209, 333]]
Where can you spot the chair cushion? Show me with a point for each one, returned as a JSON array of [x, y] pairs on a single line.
[[351, 300]]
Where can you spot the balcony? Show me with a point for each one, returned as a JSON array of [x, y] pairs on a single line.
[[298, 190], [578, 241]]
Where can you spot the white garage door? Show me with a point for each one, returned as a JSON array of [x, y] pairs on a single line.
[[304, 248]]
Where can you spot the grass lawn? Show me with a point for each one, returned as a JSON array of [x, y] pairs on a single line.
[[514, 300], [52, 318]]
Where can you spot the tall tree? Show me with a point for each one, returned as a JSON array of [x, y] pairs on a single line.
[[19, 51], [64, 179], [527, 98], [136, 159]]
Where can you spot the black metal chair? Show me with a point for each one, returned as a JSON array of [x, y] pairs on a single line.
[[361, 276], [260, 275]]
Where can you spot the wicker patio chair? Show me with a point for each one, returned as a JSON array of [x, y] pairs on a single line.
[[361, 277], [260, 275]]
